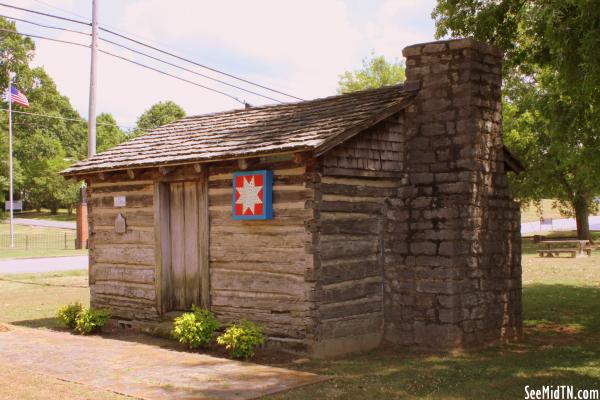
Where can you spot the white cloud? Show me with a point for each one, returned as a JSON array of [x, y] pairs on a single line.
[[311, 40], [399, 24]]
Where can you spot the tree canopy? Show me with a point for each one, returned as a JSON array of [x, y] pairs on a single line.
[[42, 146], [551, 93], [159, 114], [108, 134], [376, 72]]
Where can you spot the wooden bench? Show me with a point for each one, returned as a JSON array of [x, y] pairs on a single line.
[[556, 252]]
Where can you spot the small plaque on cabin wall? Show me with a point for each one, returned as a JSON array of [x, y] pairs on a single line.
[[252, 195], [120, 201], [120, 224]]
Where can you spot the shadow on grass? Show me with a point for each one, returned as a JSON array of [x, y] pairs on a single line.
[[47, 323], [574, 307], [490, 374], [561, 346]]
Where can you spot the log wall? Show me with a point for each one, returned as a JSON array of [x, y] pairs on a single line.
[[263, 270], [122, 266], [359, 181]]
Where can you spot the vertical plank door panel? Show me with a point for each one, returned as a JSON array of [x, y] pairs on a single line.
[[162, 242], [192, 272], [177, 246], [204, 232]]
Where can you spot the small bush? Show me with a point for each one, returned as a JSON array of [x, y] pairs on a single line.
[[67, 315], [90, 320], [241, 339], [195, 328]]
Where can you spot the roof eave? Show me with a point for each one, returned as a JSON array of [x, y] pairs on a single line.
[[72, 174], [343, 136]]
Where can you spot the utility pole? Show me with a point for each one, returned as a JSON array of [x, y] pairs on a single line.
[[11, 76], [93, 79]]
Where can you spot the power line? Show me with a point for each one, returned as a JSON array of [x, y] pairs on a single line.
[[188, 70], [145, 55], [60, 9], [46, 14], [128, 60], [44, 37], [45, 26], [107, 25], [171, 75], [66, 118], [197, 64], [154, 48], [49, 116]]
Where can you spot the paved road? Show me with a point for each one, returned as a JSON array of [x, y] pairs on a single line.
[[45, 223], [50, 264], [559, 224]]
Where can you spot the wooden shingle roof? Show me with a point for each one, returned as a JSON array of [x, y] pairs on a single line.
[[314, 125]]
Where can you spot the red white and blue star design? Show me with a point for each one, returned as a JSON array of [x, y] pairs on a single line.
[[252, 195]]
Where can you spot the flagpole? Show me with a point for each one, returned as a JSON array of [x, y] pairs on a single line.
[[11, 76]]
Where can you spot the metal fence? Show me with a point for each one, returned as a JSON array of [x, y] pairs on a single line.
[[30, 241]]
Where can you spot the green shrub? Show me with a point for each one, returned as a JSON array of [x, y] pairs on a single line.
[[241, 339], [67, 315], [195, 328], [90, 320]]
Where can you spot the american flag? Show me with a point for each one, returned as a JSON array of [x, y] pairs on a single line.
[[17, 97]]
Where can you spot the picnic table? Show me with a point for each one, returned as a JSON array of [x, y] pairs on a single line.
[[553, 248]]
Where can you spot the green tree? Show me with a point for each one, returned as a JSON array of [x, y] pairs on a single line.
[[108, 134], [552, 91], [159, 114], [42, 146], [15, 53], [376, 72]]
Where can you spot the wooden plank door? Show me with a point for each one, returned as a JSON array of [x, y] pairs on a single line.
[[185, 245]]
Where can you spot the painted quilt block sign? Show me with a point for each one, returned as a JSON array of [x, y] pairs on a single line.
[[252, 195]]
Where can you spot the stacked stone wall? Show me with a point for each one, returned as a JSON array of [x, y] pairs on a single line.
[[458, 283]]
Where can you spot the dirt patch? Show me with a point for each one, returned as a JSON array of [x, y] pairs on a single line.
[[4, 328], [550, 334]]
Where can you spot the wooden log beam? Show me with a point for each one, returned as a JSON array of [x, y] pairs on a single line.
[[131, 174], [165, 170], [246, 163], [301, 157]]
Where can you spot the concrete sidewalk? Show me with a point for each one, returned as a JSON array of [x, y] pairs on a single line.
[[46, 264], [142, 370], [45, 223]]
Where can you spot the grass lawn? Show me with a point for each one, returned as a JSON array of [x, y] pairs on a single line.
[[32, 299], [42, 242], [62, 215], [6, 254], [32, 230], [561, 345], [531, 213]]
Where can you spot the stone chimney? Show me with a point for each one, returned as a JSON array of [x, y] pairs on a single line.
[[461, 283]]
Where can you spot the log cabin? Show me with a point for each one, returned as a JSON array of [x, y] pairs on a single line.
[[339, 224]]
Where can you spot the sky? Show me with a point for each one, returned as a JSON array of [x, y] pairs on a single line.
[[297, 47]]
